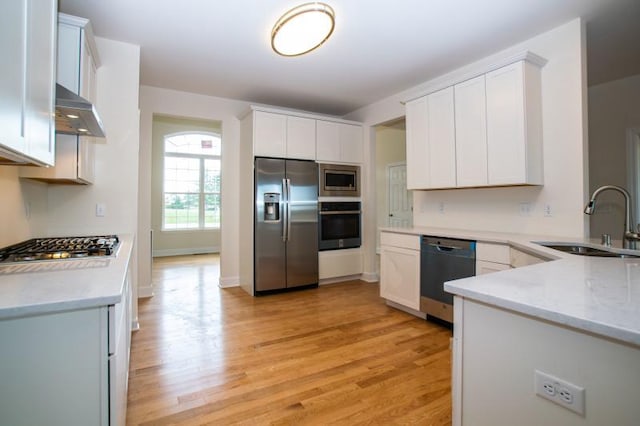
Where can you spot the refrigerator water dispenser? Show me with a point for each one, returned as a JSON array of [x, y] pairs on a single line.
[[271, 207]]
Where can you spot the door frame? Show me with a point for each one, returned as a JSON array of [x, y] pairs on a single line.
[[633, 169]]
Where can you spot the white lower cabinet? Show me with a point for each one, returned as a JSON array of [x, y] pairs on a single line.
[[491, 257], [339, 263], [65, 368], [400, 269]]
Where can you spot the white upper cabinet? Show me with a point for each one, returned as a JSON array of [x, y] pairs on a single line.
[[301, 138], [441, 141], [485, 131], [270, 134], [77, 71], [514, 125], [431, 150], [27, 87], [338, 142], [284, 136], [417, 149], [471, 133]]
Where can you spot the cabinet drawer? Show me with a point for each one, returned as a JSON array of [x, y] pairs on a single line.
[[497, 253], [400, 240], [521, 258]]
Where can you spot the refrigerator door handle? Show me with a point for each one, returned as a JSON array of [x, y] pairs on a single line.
[[288, 206], [285, 204]]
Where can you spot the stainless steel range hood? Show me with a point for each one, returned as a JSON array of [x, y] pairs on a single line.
[[76, 115]]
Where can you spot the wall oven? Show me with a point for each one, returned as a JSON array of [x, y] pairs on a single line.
[[339, 180], [339, 225]]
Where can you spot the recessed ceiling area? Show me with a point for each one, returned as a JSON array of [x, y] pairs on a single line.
[[377, 48]]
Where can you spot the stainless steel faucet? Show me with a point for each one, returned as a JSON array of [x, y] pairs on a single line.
[[630, 237]]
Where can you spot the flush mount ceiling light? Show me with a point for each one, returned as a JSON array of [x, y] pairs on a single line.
[[302, 29]]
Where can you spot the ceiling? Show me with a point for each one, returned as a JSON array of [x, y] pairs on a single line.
[[222, 48]]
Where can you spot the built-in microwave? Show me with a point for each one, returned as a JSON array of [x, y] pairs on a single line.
[[339, 180]]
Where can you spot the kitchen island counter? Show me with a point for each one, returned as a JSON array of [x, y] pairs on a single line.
[[44, 287]]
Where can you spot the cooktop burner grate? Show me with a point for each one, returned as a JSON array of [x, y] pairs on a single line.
[[60, 248]]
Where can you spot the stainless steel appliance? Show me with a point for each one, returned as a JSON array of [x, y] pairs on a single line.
[[339, 180], [340, 225], [441, 260], [285, 224], [57, 248]]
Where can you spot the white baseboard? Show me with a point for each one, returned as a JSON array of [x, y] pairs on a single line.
[[185, 251], [370, 277], [407, 310], [226, 282], [144, 292]]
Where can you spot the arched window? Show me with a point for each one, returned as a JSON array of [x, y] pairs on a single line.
[[191, 183]]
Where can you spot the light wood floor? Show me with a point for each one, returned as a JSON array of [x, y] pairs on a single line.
[[332, 355]]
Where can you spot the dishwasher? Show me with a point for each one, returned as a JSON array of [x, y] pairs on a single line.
[[441, 260]]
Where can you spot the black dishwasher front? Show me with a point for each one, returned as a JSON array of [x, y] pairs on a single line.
[[441, 260]]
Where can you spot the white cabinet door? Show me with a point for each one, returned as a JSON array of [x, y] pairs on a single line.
[[327, 141], [350, 143], [301, 138], [28, 37], [514, 155], [12, 62], [338, 142], [505, 126], [270, 134], [441, 139], [471, 132], [417, 150], [484, 267], [40, 84], [400, 276]]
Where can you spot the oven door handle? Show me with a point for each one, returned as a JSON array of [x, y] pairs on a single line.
[[340, 212]]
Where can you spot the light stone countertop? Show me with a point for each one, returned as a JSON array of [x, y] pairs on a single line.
[[593, 294], [35, 288]]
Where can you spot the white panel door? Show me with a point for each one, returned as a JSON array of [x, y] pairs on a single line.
[[270, 134], [471, 132], [417, 149], [400, 276], [505, 125], [442, 139], [400, 200], [301, 138]]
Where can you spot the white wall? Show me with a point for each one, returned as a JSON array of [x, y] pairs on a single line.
[[154, 100], [71, 208], [565, 154], [176, 242], [23, 207], [614, 108]]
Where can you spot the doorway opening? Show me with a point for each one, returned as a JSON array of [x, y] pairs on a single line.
[[394, 203], [185, 186]]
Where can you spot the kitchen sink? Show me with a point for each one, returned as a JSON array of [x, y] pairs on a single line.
[[584, 250]]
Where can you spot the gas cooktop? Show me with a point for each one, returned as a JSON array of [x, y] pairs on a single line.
[[60, 248]]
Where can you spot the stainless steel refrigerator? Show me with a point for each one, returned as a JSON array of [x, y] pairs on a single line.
[[285, 224]]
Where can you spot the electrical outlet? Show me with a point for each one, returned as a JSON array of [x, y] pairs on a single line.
[[441, 207], [548, 212], [101, 210], [559, 391], [525, 209]]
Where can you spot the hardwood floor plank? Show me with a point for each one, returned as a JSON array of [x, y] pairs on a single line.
[[332, 355]]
